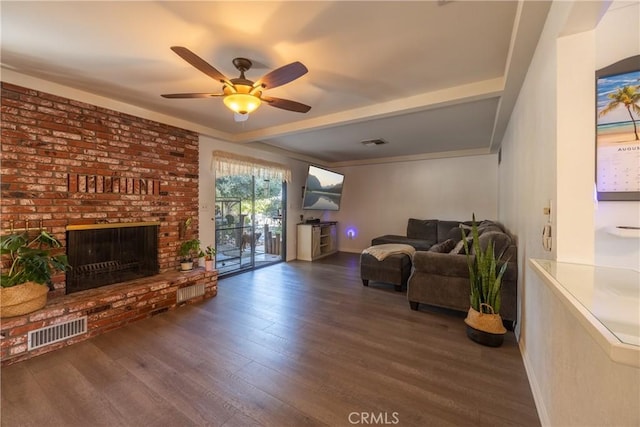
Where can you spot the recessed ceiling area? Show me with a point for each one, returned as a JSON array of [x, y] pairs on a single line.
[[429, 77], [461, 127]]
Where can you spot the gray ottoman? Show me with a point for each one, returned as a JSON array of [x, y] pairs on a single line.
[[394, 269]]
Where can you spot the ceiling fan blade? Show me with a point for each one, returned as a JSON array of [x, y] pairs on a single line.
[[286, 104], [200, 64], [191, 95], [282, 75]]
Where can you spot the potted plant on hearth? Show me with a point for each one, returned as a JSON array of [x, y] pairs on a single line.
[[188, 251], [209, 257], [484, 324], [31, 262]]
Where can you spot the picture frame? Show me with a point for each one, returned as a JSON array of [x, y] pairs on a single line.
[[618, 131]]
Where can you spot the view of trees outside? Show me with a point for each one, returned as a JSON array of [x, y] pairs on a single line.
[[268, 195], [240, 243]]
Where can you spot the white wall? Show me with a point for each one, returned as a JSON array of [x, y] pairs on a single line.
[[575, 153], [378, 199], [207, 188], [573, 380]]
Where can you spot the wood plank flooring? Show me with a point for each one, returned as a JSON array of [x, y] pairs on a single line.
[[295, 344]]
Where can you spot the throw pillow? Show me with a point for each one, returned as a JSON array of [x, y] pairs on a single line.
[[455, 234], [444, 247]]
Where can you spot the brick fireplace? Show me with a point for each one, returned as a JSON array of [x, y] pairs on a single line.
[[67, 163]]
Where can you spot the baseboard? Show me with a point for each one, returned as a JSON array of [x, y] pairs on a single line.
[[543, 414]]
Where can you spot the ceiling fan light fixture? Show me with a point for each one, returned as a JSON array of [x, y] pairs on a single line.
[[241, 95], [238, 118], [243, 101]]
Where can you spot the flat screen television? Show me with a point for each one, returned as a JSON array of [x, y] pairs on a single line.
[[323, 189]]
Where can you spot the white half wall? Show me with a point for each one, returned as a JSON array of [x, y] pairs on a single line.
[[379, 199]]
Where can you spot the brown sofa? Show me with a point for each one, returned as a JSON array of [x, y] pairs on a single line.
[[441, 279], [440, 275]]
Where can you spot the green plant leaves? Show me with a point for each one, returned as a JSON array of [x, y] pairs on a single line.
[[485, 277], [31, 260]]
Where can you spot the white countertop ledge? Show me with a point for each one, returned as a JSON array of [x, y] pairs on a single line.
[[599, 296]]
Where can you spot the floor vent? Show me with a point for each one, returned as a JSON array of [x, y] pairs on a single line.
[[189, 292], [54, 333]]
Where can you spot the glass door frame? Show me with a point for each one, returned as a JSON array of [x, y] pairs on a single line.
[[243, 229]]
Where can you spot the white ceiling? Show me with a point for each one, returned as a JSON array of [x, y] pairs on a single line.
[[431, 78]]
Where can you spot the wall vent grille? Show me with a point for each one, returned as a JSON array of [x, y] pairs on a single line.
[[190, 292], [55, 333]]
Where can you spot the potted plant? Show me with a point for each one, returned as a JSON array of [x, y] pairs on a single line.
[[33, 261], [187, 252], [484, 324], [209, 257]]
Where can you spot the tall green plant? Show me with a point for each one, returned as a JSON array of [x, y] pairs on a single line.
[[31, 259], [485, 277]]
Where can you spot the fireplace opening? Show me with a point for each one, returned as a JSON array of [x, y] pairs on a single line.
[[104, 254]]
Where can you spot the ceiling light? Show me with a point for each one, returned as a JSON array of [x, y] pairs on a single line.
[[240, 117], [242, 101], [370, 142]]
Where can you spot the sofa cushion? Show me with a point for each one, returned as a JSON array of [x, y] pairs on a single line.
[[424, 229], [455, 234], [490, 228], [496, 226], [501, 242], [484, 227], [444, 227], [443, 247]]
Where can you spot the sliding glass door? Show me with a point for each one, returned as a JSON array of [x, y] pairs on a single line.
[[249, 216]]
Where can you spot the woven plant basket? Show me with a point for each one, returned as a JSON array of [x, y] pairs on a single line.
[[486, 322], [22, 299]]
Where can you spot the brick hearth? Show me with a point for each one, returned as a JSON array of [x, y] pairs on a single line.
[[106, 308]]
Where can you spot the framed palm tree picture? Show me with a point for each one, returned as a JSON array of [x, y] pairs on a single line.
[[618, 130]]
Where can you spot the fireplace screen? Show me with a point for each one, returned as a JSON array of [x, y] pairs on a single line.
[[107, 254]]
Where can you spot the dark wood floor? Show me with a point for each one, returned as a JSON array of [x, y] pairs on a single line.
[[293, 344]]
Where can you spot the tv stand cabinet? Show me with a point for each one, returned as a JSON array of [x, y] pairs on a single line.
[[317, 240]]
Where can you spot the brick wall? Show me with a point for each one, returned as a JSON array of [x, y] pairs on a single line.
[[67, 162]]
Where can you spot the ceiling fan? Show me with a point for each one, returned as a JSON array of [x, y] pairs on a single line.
[[243, 96]]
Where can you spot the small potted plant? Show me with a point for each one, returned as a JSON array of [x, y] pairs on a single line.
[[26, 282], [187, 252], [209, 257], [484, 324]]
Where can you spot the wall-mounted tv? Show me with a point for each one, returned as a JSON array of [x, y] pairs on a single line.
[[323, 189]]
